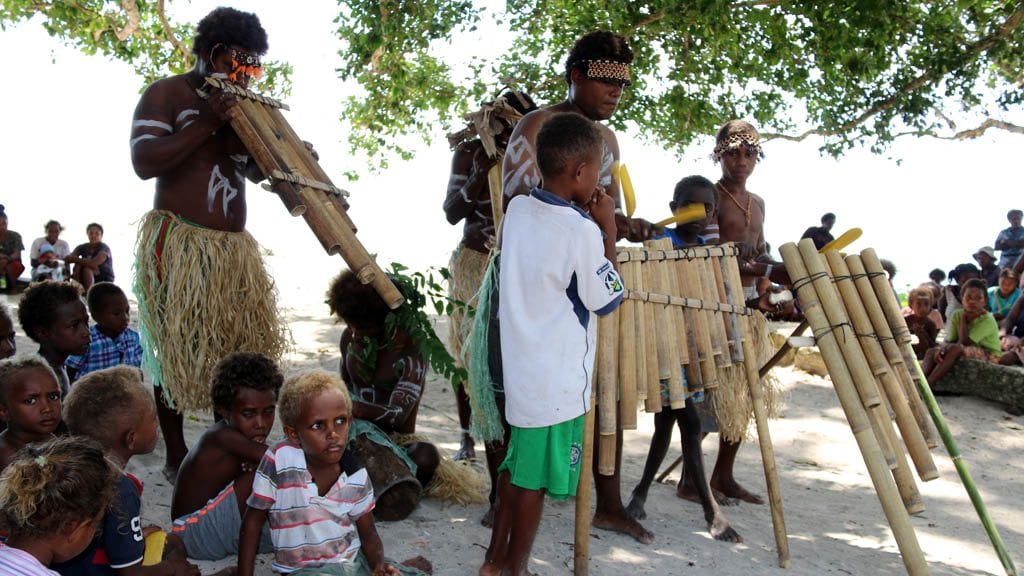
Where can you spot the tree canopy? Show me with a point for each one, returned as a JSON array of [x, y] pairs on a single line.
[[853, 72]]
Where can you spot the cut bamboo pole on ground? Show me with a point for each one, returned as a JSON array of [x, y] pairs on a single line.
[[764, 438], [607, 399], [856, 415], [581, 535]]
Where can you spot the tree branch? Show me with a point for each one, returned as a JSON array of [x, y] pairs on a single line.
[[169, 33], [132, 10], [934, 75]]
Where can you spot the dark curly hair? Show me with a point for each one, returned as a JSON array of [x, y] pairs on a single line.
[[243, 370], [566, 138], [38, 306], [355, 303], [597, 45], [102, 404], [98, 295], [230, 27]]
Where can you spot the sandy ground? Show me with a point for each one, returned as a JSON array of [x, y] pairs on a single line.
[[834, 519]]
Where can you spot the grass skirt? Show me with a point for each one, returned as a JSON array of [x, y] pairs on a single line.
[[202, 294], [467, 267], [731, 399]]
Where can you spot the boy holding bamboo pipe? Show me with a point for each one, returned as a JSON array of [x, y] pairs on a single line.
[[557, 271], [689, 190]]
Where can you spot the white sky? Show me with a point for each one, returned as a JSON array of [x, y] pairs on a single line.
[[65, 156]]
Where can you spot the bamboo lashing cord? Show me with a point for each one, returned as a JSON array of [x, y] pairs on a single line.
[[856, 415], [301, 183], [887, 298]]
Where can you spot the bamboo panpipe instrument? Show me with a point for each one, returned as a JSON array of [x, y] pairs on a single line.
[[652, 401], [669, 365], [688, 272], [880, 415], [636, 278], [607, 401], [876, 277], [301, 184], [628, 377], [856, 415], [730, 321], [890, 385]]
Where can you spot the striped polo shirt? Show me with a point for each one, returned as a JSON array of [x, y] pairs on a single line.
[[309, 530]]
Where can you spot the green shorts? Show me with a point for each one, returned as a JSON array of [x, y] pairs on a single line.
[[546, 458]]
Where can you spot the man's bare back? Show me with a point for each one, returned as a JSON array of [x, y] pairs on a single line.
[[198, 161]]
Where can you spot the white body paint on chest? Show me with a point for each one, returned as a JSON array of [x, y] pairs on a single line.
[[219, 183]]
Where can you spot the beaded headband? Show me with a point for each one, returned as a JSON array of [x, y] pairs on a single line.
[[607, 70], [737, 140]]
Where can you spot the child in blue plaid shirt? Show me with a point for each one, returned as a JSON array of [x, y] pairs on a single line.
[[113, 342]]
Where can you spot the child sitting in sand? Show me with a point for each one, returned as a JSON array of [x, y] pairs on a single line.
[[316, 495], [112, 407], [8, 346], [48, 266], [973, 333], [112, 342], [950, 301], [921, 319], [30, 403], [1001, 298], [52, 498], [385, 374], [215, 479], [52, 314]]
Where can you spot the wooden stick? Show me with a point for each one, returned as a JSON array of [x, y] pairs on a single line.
[[764, 438], [856, 415], [494, 186], [581, 534], [607, 337], [909, 429]]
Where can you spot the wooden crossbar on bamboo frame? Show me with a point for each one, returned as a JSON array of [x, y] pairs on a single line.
[[301, 183], [684, 310]]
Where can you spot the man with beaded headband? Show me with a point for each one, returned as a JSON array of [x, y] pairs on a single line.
[[740, 219], [202, 289], [478, 148], [597, 73]]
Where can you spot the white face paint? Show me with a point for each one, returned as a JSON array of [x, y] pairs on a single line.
[[219, 183]]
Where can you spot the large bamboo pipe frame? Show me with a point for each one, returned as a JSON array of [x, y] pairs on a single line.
[[889, 346], [880, 414], [909, 429], [731, 271], [856, 415], [872, 264]]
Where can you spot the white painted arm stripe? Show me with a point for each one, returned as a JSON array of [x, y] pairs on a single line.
[[185, 114], [152, 124], [141, 138]]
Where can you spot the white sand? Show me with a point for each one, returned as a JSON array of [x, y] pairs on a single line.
[[834, 519]]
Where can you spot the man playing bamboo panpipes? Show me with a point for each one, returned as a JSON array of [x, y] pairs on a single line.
[[202, 289], [478, 148], [597, 72], [740, 219]]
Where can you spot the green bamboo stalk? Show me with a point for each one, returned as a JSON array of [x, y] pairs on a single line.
[[961, 466]]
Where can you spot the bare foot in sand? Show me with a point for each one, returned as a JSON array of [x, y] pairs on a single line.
[[623, 523], [721, 530], [732, 489], [467, 449], [635, 509], [420, 563], [687, 492], [490, 569]]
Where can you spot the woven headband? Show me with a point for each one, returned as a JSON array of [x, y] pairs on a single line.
[[607, 70], [736, 140]]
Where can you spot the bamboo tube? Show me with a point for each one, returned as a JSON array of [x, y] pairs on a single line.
[[962, 471], [688, 276], [669, 366], [636, 281], [678, 318], [694, 379], [264, 159], [863, 379], [581, 535], [716, 325], [893, 351], [764, 438], [494, 187], [880, 415], [731, 292], [607, 401], [729, 322], [652, 402], [909, 429], [856, 415], [627, 354]]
